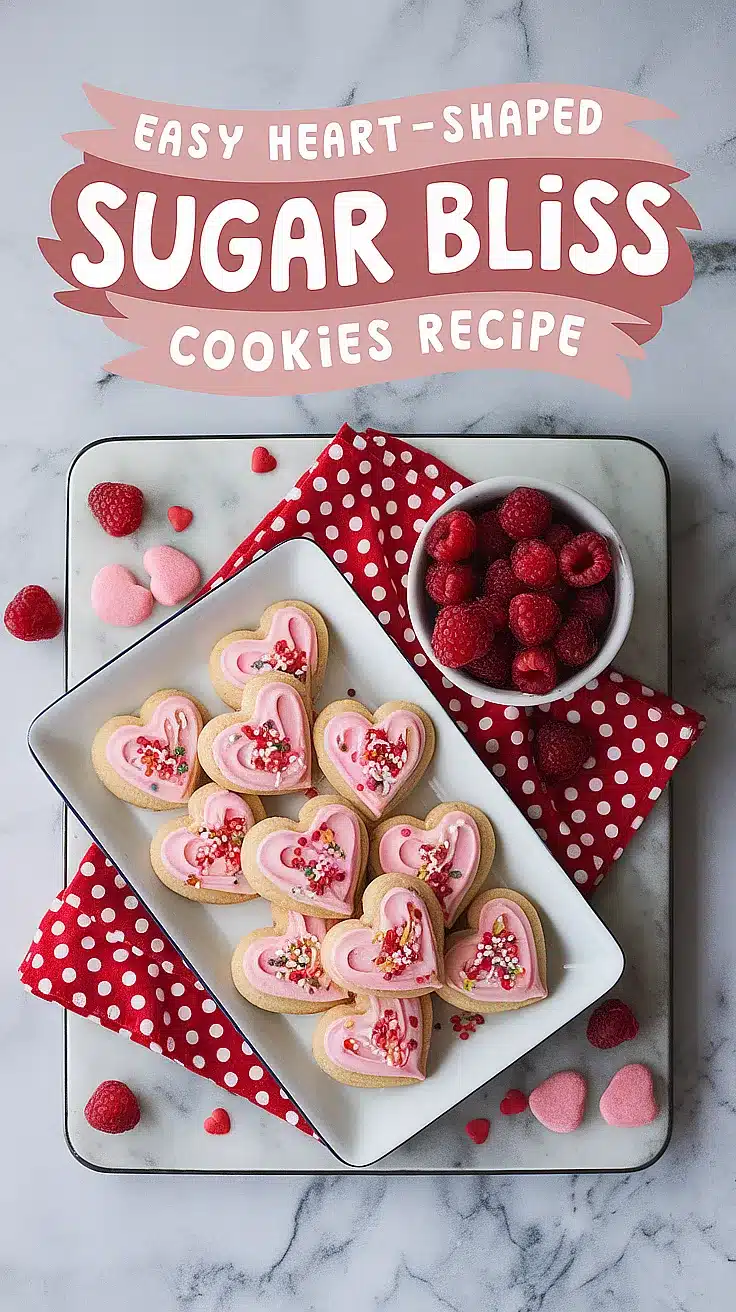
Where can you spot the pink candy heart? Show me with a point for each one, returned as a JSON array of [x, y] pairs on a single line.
[[629, 1099], [174, 576], [559, 1102], [118, 598]]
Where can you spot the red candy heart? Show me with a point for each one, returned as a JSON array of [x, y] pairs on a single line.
[[218, 1122], [262, 462], [514, 1102], [478, 1130], [180, 517]]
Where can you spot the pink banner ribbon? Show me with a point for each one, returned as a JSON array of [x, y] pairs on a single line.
[[249, 356], [386, 136]]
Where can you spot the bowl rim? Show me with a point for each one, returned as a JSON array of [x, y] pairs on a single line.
[[588, 513]]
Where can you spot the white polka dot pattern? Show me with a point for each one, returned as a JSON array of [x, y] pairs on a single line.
[[159, 1017], [620, 714]]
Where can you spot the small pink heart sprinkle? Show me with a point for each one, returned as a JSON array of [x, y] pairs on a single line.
[[559, 1102], [174, 576], [629, 1099], [118, 598]]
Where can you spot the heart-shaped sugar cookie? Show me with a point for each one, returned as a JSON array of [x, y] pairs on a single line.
[[174, 575], [291, 638], [629, 1100], [280, 968], [451, 849], [500, 963], [558, 1103], [314, 865], [396, 948], [375, 1042], [198, 856], [373, 759], [118, 598], [265, 747], [150, 759]]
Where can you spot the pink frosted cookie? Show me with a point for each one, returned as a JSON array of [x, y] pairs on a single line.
[[314, 865], [500, 963], [198, 856], [452, 849], [266, 747], [150, 759], [174, 575], [374, 759], [395, 949], [291, 638], [629, 1100], [375, 1043], [559, 1102], [280, 968]]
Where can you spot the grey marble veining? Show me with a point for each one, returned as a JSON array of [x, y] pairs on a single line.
[[658, 1240]]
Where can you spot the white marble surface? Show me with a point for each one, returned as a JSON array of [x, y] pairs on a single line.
[[659, 1240]]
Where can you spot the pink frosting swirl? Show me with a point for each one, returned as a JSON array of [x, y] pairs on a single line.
[[158, 756], [320, 866], [206, 858], [291, 634], [477, 962], [385, 1040], [399, 955], [270, 752], [446, 857], [290, 965], [375, 759]]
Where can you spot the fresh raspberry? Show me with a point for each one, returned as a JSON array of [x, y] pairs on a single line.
[[534, 618], [448, 583], [500, 583], [261, 461], [560, 750], [33, 614], [585, 560], [496, 610], [534, 563], [514, 1102], [462, 633], [118, 507], [113, 1108], [452, 538], [526, 513], [559, 592], [534, 670], [558, 535], [495, 667], [612, 1023], [594, 604], [575, 643], [492, 542]]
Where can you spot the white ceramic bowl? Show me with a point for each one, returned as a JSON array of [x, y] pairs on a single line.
[[478, 497]]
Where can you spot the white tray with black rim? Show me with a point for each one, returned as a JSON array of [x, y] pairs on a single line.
[[628, 481]]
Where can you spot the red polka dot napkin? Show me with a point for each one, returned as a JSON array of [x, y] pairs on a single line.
[[364, 501]]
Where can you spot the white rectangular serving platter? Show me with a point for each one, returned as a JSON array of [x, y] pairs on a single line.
[[360, 1126]]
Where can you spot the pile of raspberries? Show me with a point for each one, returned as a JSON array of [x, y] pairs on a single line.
[[524, 596]]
